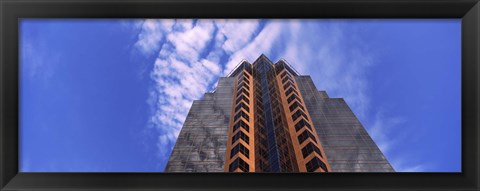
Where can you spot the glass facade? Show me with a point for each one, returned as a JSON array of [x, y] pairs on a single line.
[[265, 117], [201, 144], [347, 144]]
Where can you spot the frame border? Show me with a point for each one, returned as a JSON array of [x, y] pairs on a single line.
[[12, 10]]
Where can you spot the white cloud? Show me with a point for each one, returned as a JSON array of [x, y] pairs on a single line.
[[238, 33], [262, 43], [405, 165], [182, 72], [189, 42], [417, 168], [382, 127], [37, 61], [152, 32]]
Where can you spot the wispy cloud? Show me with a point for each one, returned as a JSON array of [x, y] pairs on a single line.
[[382, 128], [180, 76], [187, 63], [38, 62], [152, 32], [404, 164], [192, 54]]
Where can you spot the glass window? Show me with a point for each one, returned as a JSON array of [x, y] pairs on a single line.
[[302, 123], [242, 97], [238, 163], [283, 74], [290, 90], [240, 135], [241, 124], [309, 148], [239, 148], [243, 90], [292, 97], [295, 105], [248, 69], [313, 165], [240, 105], [299, 113], [285, 79], [279, 67], [304, 136], [245, 79], [246, 74], [288, 84], [241, 85], [241, 114]]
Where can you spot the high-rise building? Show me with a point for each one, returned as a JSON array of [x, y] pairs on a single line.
[[265, 117]]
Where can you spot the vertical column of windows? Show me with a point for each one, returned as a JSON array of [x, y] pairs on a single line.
[[302, 123], [286, 150], [241, 120], [242, 101]]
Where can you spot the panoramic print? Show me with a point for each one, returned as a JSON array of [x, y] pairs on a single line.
[[254, 95]]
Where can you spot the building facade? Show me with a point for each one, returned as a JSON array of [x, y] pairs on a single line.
[[265, 117]]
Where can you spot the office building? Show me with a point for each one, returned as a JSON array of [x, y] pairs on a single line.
[[266, 117]]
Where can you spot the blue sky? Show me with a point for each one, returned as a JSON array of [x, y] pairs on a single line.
[[111, 95]]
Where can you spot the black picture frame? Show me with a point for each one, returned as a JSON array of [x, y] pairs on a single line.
[[12, 10]]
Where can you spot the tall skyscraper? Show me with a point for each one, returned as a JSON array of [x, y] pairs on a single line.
[[265, 117]]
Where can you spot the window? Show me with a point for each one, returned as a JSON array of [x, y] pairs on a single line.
[[242, 97], [240, 135], [259, 108], [261, 129], [238, 163], [241, 124], [297, 114], [284, 73], [239, 148], [278, 121], [304, 136], [243, 90], [285, 79], [309, 148], [301, 124], [292, 97], [246, 74], [290, 90], [259, 103], [241, 85], [244, 79], [279, 67], [258, 97], [241, 114], [248, 69], [295, 105], [240, 88], [241, 104], [287, 85], [313, 165]]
